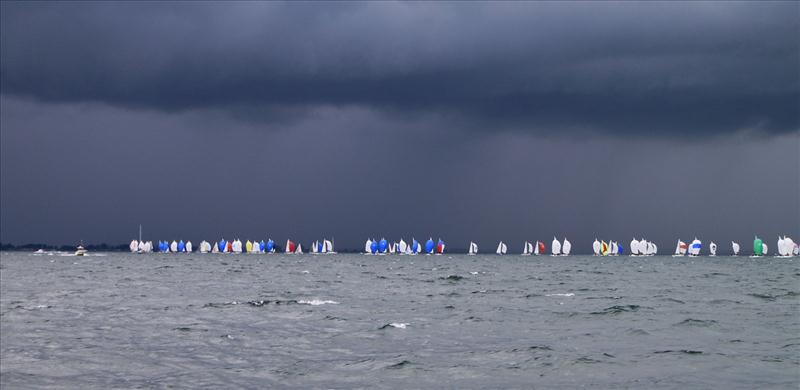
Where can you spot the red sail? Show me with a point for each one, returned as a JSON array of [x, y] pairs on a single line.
[[541, 247], [229, 248], [439, 248], [292, 246]]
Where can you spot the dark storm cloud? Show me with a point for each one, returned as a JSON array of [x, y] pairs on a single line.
[[626, 68]]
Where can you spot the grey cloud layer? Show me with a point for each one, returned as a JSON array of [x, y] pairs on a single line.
[[628, 68]]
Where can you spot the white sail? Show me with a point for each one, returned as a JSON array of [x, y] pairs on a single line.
[[596, 247], [655, 249], [473, 248], [555, 247], [315, 247], [134, 246], [143, 247], [779, 246], [634, 247], [785, 246], [188, 247], [214, 248], [203, 246], [237, 246], [299, 249], [328, 244], [736, 247], [566, 247], [368, 246], [173, 247], [501, 248], [764, 248], [536, 249], [528, 248], [712, 247], [402, 247]]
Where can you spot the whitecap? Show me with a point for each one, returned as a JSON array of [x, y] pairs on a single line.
[[473, 273], [399, 325], [560, 295], [316, 302]]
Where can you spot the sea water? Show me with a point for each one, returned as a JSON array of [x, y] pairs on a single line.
[[339, 321]]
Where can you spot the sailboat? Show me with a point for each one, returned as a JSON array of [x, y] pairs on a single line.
[[604, 250], [634, 247], [695, 247], [215, 248], [765, 249], [204, 246], [654, 250], [290, 247], [173, 247], [566, 247], [555, 247], [429, 246], [540, 249], [528, 249], [735, 246], [368, 247], [501, 248], [188, 247], [402, 247], [134, 246], [248, 246], [596, 246], [712, 248], [440, 247], [299, 250], [680, 249], [416, 248], [383, 246], [614, 251], [270, 246], [392, 248], [758, 247], [473, 248], [327, 245], [181, 246]]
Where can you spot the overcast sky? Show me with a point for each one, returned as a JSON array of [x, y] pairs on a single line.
[[466, 121]]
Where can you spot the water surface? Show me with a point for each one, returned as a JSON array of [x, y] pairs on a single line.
[[340, 321]]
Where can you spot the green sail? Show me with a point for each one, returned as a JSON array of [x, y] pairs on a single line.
[[758, 247]]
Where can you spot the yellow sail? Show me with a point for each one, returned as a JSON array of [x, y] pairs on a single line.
[[248, 246], [603, 248]]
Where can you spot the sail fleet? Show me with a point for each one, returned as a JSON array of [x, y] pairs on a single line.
[[786, 247]]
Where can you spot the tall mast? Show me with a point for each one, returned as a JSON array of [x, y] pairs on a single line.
[[140, 232]]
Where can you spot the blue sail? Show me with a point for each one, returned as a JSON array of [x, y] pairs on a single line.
[[415, 246], [620, 249], [319, 247], [383, 245], [221, 245], [696, 245], [373, 247], [262, 246], [270, 245], [181, 246], [429, 246]]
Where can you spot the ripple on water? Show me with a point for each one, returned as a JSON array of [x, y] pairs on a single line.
[[617, 309]]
